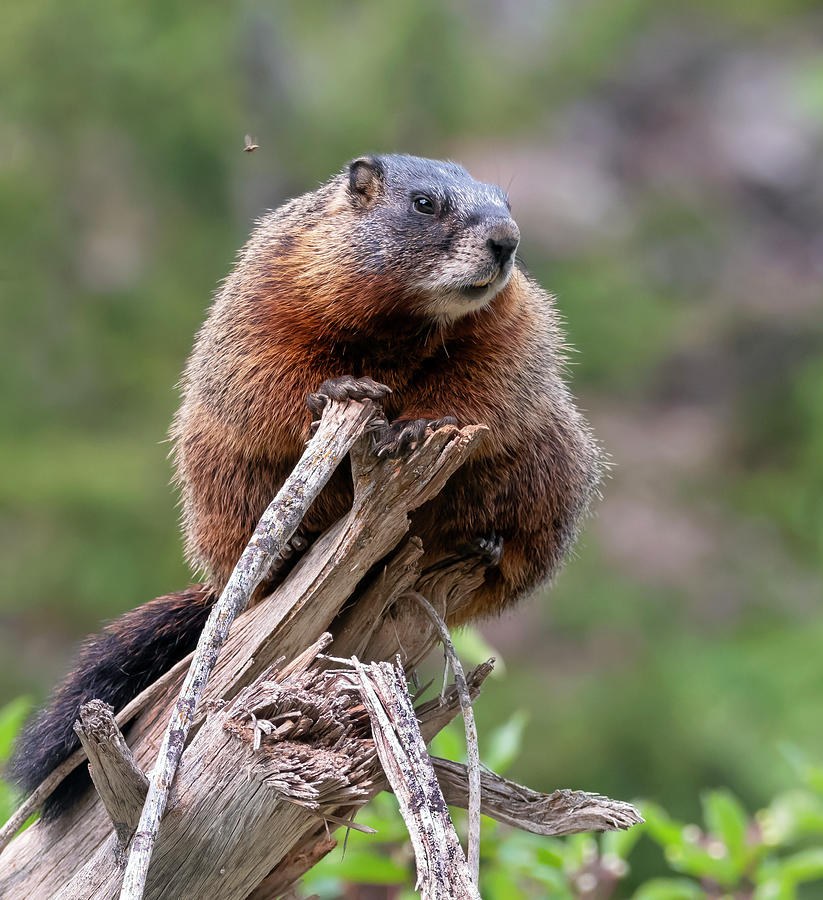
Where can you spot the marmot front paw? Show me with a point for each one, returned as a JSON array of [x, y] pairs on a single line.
[[489, 547], [404, 435], [346, 387], [290, 555]]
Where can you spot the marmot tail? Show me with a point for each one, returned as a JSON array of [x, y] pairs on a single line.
[[114, 666]]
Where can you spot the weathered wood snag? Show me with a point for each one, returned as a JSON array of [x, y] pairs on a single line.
[[281, 747], [442, 869], [120, 784]]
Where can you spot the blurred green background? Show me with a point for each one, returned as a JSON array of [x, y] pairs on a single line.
[[664, 164]]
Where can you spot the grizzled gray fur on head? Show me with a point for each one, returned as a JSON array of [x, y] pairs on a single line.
[[459, 231]]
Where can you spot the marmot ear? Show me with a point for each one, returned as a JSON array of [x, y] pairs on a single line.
[[366, 178]]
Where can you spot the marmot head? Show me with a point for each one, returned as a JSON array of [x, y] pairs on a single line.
[[429, 226], [387, 241]]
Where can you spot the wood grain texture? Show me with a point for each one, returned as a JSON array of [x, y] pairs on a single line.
[[75, 856], [442, 870], [340, 426], [118, 780], [278, 752]]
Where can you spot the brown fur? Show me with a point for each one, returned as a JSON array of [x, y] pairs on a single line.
[[299, 309]]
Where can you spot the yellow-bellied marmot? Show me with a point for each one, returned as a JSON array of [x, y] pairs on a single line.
[[397, 272]]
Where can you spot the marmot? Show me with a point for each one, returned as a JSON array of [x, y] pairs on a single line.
[[397, 273]]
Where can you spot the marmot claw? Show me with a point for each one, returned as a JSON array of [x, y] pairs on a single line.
[[293, 549], [346, 387], [487, 546], [404, 435]]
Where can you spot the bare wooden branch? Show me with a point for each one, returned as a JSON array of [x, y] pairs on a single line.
[[118, 779], [340, 426], [562, 812], [472, 749], [35, 800], [442, 871], [73, 857]]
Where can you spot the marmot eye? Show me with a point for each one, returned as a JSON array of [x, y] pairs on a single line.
[[423, 205]]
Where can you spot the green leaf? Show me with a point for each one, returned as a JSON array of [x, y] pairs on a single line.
[[810, 772], [503, 746], [12, 716], [498, 885], [449, 743], [771, 882], [322, 885], [368, 867], [473, 648], [669, 889], [548, 877], [727, 820], [661, 827], [7, 802], [807, 865], [774, 889], [790, 815], [704, 862], [550, 855], [581, 849], [383, 815]]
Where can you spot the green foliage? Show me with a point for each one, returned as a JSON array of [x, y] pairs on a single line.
[[11, 719], [769, 856], [786, 483]]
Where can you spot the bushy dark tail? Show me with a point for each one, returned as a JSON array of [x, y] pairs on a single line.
[[115, 665]]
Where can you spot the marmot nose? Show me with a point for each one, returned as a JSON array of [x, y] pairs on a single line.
[[503, 240]]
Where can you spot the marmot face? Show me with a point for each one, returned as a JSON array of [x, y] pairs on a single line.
[[430, 226]]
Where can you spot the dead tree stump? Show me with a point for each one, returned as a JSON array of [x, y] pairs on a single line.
[[281, 743]]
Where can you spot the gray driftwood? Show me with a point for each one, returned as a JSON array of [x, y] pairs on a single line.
[[561, 812], [70, 857], [120, 783], [235, 808], [338, 429], [470, 728], [442, 869], [242, 822]]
